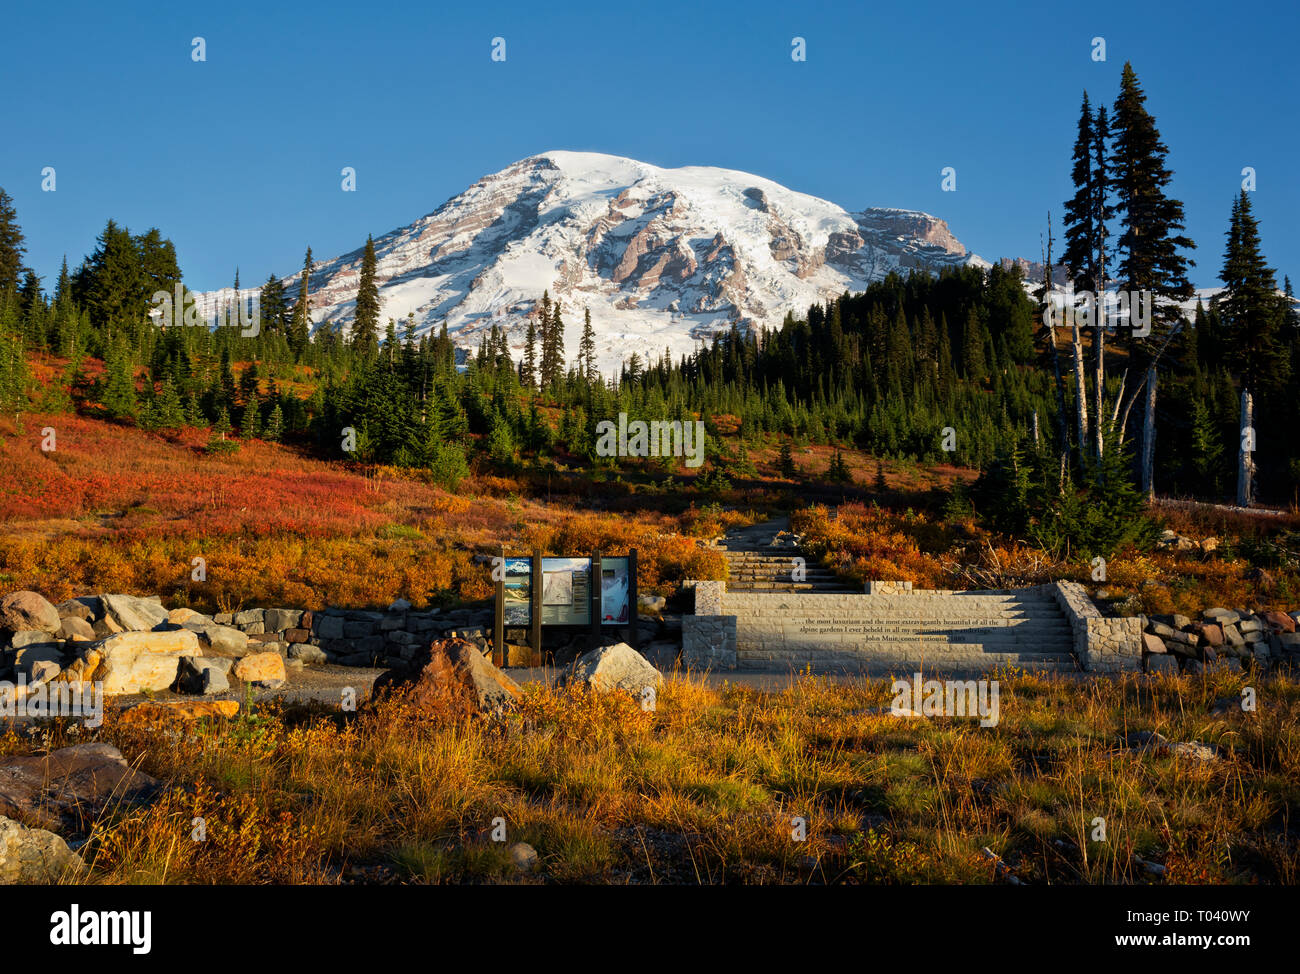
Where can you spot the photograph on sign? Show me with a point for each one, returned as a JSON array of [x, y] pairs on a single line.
[[566, 591], [518, 588], [614, 609]]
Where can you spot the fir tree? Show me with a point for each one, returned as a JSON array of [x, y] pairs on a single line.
[[167, 410], [1250, 306], [11, 243], [1080, 223], [300, 329], [274, 431], [528, 369], [1150, 245], [117, 394], [365, 325], [785, 462], [587, 347]]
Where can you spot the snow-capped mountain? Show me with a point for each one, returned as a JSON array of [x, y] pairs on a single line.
[[661, 257]]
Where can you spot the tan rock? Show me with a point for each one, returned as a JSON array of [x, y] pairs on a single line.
[[83, 668], [181, 615], [28, 610], [73, 628], [1153, 644], [133, 662], [133, 614], [152, 713], [261, 668], [34, 856]]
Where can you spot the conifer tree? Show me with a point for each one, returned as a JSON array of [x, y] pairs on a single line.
[[587, 347], [274, 431], [1250, 306], [365, 325], [1150, 244], [528, 371], [1081, 209], [300, 330], [117, 393], [11, 243], [167, 410]]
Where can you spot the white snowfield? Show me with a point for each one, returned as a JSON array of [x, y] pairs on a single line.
[[662, 258]]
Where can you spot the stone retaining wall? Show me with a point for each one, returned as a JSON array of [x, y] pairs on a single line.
[[355, 637], [1101, 645]]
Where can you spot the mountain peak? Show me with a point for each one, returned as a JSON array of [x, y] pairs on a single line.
[[663, 258]]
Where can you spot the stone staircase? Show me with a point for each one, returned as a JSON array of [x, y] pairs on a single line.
[[932, 629], [769, 569]]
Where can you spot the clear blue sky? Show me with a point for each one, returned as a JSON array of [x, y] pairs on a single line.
[[237, 159]]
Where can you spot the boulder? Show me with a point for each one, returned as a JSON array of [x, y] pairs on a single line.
[[28, 611], [29, 657], [1211, 634], [154, 714], [1193, 750], [204, 675], [249, 617], [651, 605], [308, 653], [1224, 617], [399, 605], [132, 614], [31, 637], [1153, 644], [1279, 621], [278, 620], [329, 627], [617, 667], [456, 679], [524, 857], [134, 662], [72, 784], [106, 627], [1154, 663], [73, 628], [34, 856], [260, 668], [183, 615], [1162, 630], [85, 609], [219, 640], [45, 672]]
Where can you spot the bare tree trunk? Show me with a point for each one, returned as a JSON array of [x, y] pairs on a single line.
[[1035, 428], [1149, 438], [1099, 376], [1246, 453], [1080, 390], [1123, 424], [1062, 429]]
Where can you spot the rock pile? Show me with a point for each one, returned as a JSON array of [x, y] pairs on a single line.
[[130, 645], [137, 644], [1220, 637]]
